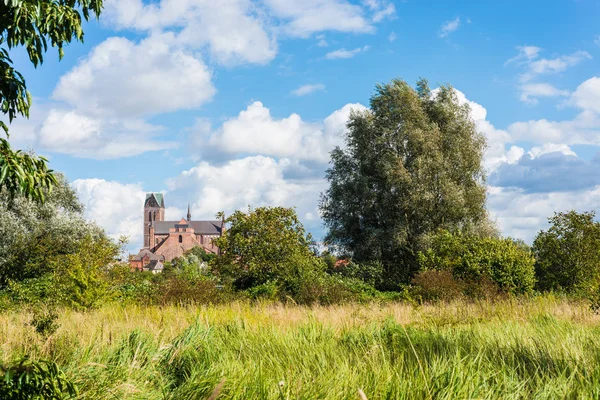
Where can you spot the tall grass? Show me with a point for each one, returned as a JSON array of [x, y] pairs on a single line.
[[545, 348]]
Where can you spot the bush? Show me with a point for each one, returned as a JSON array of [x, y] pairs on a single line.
[[507, 264], [437, 286], [568, 253]]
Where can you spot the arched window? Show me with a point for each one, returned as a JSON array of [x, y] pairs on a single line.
[[149, 215], [180, 239]]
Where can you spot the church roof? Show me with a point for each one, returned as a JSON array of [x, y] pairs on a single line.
[[151, 255], [200, 227], [155, 197]]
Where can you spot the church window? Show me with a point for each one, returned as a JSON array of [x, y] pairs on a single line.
[[180, 239]]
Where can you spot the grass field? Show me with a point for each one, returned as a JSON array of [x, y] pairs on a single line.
[[536, 349]]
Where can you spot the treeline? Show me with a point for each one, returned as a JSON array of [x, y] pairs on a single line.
[[405, 214]]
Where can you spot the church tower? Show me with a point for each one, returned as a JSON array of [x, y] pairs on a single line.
[[154, 210]]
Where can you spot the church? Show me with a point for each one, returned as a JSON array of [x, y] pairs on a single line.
[[166, 240]]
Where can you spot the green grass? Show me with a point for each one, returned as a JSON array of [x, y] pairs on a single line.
[[536, 349]]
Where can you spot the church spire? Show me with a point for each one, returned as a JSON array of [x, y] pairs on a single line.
[[189, 216]]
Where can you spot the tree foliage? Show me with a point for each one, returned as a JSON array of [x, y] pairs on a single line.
[[34, 25], [265, 244], [568, 253], [470, 259], [49, 251], [412, 164]]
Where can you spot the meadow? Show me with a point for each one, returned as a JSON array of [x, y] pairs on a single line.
[[541, 348]]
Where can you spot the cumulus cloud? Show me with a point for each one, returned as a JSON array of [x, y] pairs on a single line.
[[449, 26], [122, 78], [70, 132], [233, 30], [308, 89], [546, 172], [587, 95], [343, 53], [255, 131], [114, 206], [239, 31], [584, 128], [522, 215], [310, 16], [255, 181]]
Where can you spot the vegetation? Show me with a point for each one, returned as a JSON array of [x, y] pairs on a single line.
[[412, 164], [545, 348], [32, 24], [568, 253], [418, 296], [471, 259]]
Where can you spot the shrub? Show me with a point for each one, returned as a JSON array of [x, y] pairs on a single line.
[[470, 259], [434, 285], [568, 253]]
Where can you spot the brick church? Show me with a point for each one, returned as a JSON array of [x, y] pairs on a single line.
[[166, 240]]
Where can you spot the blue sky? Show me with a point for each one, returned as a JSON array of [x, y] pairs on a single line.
[[238, 102]]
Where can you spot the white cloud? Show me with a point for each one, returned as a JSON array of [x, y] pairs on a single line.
[[310, 16], [531, 91], [392, 37], [343, 53], [522, 215], [583, 129], [587, 95], [308, 89], [70, 132], [233, 30], [534, 66], [255, 131], [255, 181], [449, 26], [122, 78], [114, 206], [547, 148]]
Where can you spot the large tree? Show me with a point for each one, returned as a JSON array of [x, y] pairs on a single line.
[[32, 24], [412, 164]]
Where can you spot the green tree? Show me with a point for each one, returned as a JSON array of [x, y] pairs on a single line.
[[264, 245], [412, 164], [32, 24], [568, 253]]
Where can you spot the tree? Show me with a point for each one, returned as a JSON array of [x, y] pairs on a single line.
[[50, 251], [263, 245], [412, 164], [32, 24], [568, 253]]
